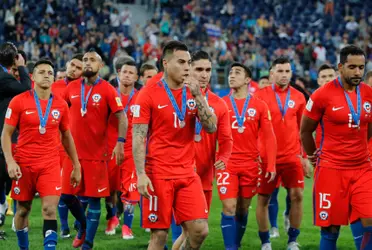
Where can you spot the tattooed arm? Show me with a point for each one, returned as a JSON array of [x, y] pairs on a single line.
[[206, 117], [139, 154]]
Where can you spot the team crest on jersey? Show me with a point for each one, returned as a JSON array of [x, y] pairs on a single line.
[[16, 190], [55, 114], [211, 109], [291, 104], [223, 190], [367, 107], [153, 217], [251, 112], [323, 215], [191, 104], [96, 98]]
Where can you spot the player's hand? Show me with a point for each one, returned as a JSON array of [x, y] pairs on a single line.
[[219, 165], [14, 171], [271, 176], [193, 85], [143, 183], [19, 61], [313, 158], [75, 177], [306, 166], [118, 153]]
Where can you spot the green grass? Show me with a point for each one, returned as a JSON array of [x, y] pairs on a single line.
[[309, 237]]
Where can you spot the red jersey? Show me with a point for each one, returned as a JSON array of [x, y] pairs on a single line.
[[89, 131], [205, 156], [59, 87], [287, 129], [33, 147], [344, 145], [155, 79], [171, 150], [245, 147], [112, 130], [253, 87]]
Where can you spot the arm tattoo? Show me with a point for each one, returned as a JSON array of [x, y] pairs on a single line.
[[139, 146], [206, 117]]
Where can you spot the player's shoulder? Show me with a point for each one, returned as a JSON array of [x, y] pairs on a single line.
[[325, 90], [59, 83], [262, 92], [23, 97], [74, 84], [365, 87], [258, 103]]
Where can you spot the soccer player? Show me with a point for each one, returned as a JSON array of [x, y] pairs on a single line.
[[74, 71], [118, 64], [61, 74], [263, 82], [206, 144], [342, 181], [368, 78], [237, 183], [167, 111], [286, 105], [123, 177], [147, 71], [91, 101], [40, 116], [326, 73]]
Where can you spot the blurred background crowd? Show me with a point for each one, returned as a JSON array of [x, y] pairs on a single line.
[[309, 32]]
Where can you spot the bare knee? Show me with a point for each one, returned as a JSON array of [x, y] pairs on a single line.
[[49, 211], [23, 209], [263, 200], [197, 231], [366, 222], [159, 237], [229, 207], [296, 195]]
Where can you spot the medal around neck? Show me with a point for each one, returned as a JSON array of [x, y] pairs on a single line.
[[84, 102], [43, 118], [180, 114], [198, 138], [241, 130]]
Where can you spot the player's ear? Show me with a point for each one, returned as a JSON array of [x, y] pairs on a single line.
[[339, 66]]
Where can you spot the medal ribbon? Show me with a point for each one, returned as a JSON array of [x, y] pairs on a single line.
[[181, 116], [129, 99], [84, 103], [287, 99], [5, 69], [240, 117], [198, 125], [43, 119], [354, 115]]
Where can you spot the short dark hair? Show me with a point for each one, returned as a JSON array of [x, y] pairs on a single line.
[[350, 50], [130, 63], [200, 55], [368, 75], [280, 60], [324, 67], [23, 55], [120, 61], [78, 56], [8, 54], [248, 72], [173, 46], [263, 77], [62, 69], [30, 66], [43, 61], [147, 66]]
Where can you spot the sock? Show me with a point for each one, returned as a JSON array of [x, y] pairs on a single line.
[[176, 230], [63, 215], [357, 231], [128, 215], [228, 227], [2, 196], [50, 234], [110, 208], [84, 203], [274, 208], [367, 239], [264, 236], [328, 240], [292, 234], [287, 204], [14, 206], [165, 247], [22, 236], [77, 211], [241, 223], [119, 205], [94, 213]]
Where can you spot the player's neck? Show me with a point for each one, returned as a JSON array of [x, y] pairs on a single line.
[[91, 80], [282, 87], [204, 90], [347, 87], [241, 92], [43, 94], [125, 90], [172, 84]]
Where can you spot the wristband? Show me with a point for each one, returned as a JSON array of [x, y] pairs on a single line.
[[121, 139]]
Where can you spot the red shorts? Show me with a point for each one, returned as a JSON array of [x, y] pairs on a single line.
[[182, 197], [208, 197], [237, 182], [94, 179], [114, 175], [290, 175], [44, 179], [340, 196], [129, 192]]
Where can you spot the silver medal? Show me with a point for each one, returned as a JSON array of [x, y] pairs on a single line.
[[83, 112], [42, 130], [182, 124], [198, 138], [241, 130]]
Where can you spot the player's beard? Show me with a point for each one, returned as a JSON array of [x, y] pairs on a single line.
[[88, 73], [349, 81]]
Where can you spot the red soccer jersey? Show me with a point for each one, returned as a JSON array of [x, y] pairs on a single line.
[[253, 87], [171, 150], [59, 87], [245, 147], [205, 156], [33, 147], [89, 131], [155, 79], [112, 130], [287, 129], [344, 145]]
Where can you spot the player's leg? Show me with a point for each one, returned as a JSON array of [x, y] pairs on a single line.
[[241, 218], [3, 175], [177, 237], [273, 214], [21, 223], [329, 236], [49, 206], [286, 212], [93, 217], [114, 180], [357, 230], [158, 239], [190, 197], [84, 203], [63, 218]]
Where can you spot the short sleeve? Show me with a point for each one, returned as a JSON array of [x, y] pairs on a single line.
[[265, 117], [315, 106], [113, 100], [13, 112], [65, 94], [142, 107], [65, 119]]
